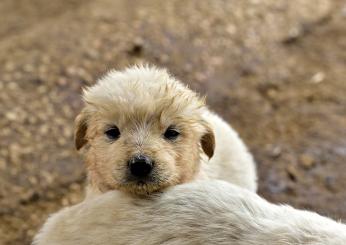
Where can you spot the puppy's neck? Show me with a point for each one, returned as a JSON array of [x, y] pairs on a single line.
[[94, 189]]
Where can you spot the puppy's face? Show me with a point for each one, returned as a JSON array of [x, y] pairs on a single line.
[[142, 145]]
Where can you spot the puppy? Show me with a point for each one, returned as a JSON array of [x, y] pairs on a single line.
[[202, 212], [141, 131]]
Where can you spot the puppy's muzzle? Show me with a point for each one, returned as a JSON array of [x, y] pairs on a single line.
[[140, 166]]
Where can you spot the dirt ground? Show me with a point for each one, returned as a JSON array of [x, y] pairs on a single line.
[[275, 69]]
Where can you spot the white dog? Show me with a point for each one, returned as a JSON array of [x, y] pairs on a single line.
[[141, 131], [142, 104], [205, 212]]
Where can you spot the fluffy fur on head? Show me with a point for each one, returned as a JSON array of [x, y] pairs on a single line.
[[208, 212], [142, 102]]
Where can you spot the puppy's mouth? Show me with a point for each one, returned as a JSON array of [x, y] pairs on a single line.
[[144, 186]]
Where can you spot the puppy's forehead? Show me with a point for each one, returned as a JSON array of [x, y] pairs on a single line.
[[143, 92]]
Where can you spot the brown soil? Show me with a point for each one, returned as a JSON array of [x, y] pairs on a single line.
[[274, 69]]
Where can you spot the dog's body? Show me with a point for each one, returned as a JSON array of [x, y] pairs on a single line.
[[232, 161], [144, 116], [205, 212], [143, 131]]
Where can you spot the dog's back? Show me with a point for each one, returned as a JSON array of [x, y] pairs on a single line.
[[232, 161], [208, 212]]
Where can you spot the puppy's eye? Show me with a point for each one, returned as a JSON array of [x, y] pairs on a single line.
[[171, 133], [112, 133]]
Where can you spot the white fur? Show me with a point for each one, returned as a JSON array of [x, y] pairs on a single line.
[[205, 212], [143, 85], [232, 161]]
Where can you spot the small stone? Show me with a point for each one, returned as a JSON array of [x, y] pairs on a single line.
[[292, 172], [32, 180], [12, 116], [47, 177], [72, 70], [28, 68], [292, 36], [216, 61], [9, 66], [137, 47], [93, 54], [276, 187], [231, 29], [42, 89], [29, 196], [272, 93], [44, 129], [62, 81], [275, 151], [330, 183], [67, 132], [12, 86], [318, 77], [61, 141], [307, 161]]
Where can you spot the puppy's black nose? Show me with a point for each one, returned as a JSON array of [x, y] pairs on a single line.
[[140, 166]]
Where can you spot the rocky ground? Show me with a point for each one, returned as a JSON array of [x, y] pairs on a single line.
[[275, 69]]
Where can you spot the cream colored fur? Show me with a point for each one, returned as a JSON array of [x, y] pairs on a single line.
[[209, 212], [143, 101], [232, 161]]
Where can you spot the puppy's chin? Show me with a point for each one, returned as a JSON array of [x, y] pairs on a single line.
[[147, 186], [141, 188]]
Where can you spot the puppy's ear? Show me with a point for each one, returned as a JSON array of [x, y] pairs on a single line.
[[80, 130], [208, 142]]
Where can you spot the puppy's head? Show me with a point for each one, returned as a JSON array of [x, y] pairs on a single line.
[[142, 131]]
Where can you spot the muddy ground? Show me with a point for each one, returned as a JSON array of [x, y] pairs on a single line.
[[275, 69]]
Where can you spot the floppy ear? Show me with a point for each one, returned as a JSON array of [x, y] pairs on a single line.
[[80, 130], [208, 142]]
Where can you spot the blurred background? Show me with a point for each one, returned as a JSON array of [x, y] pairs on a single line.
[[275, 69]]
